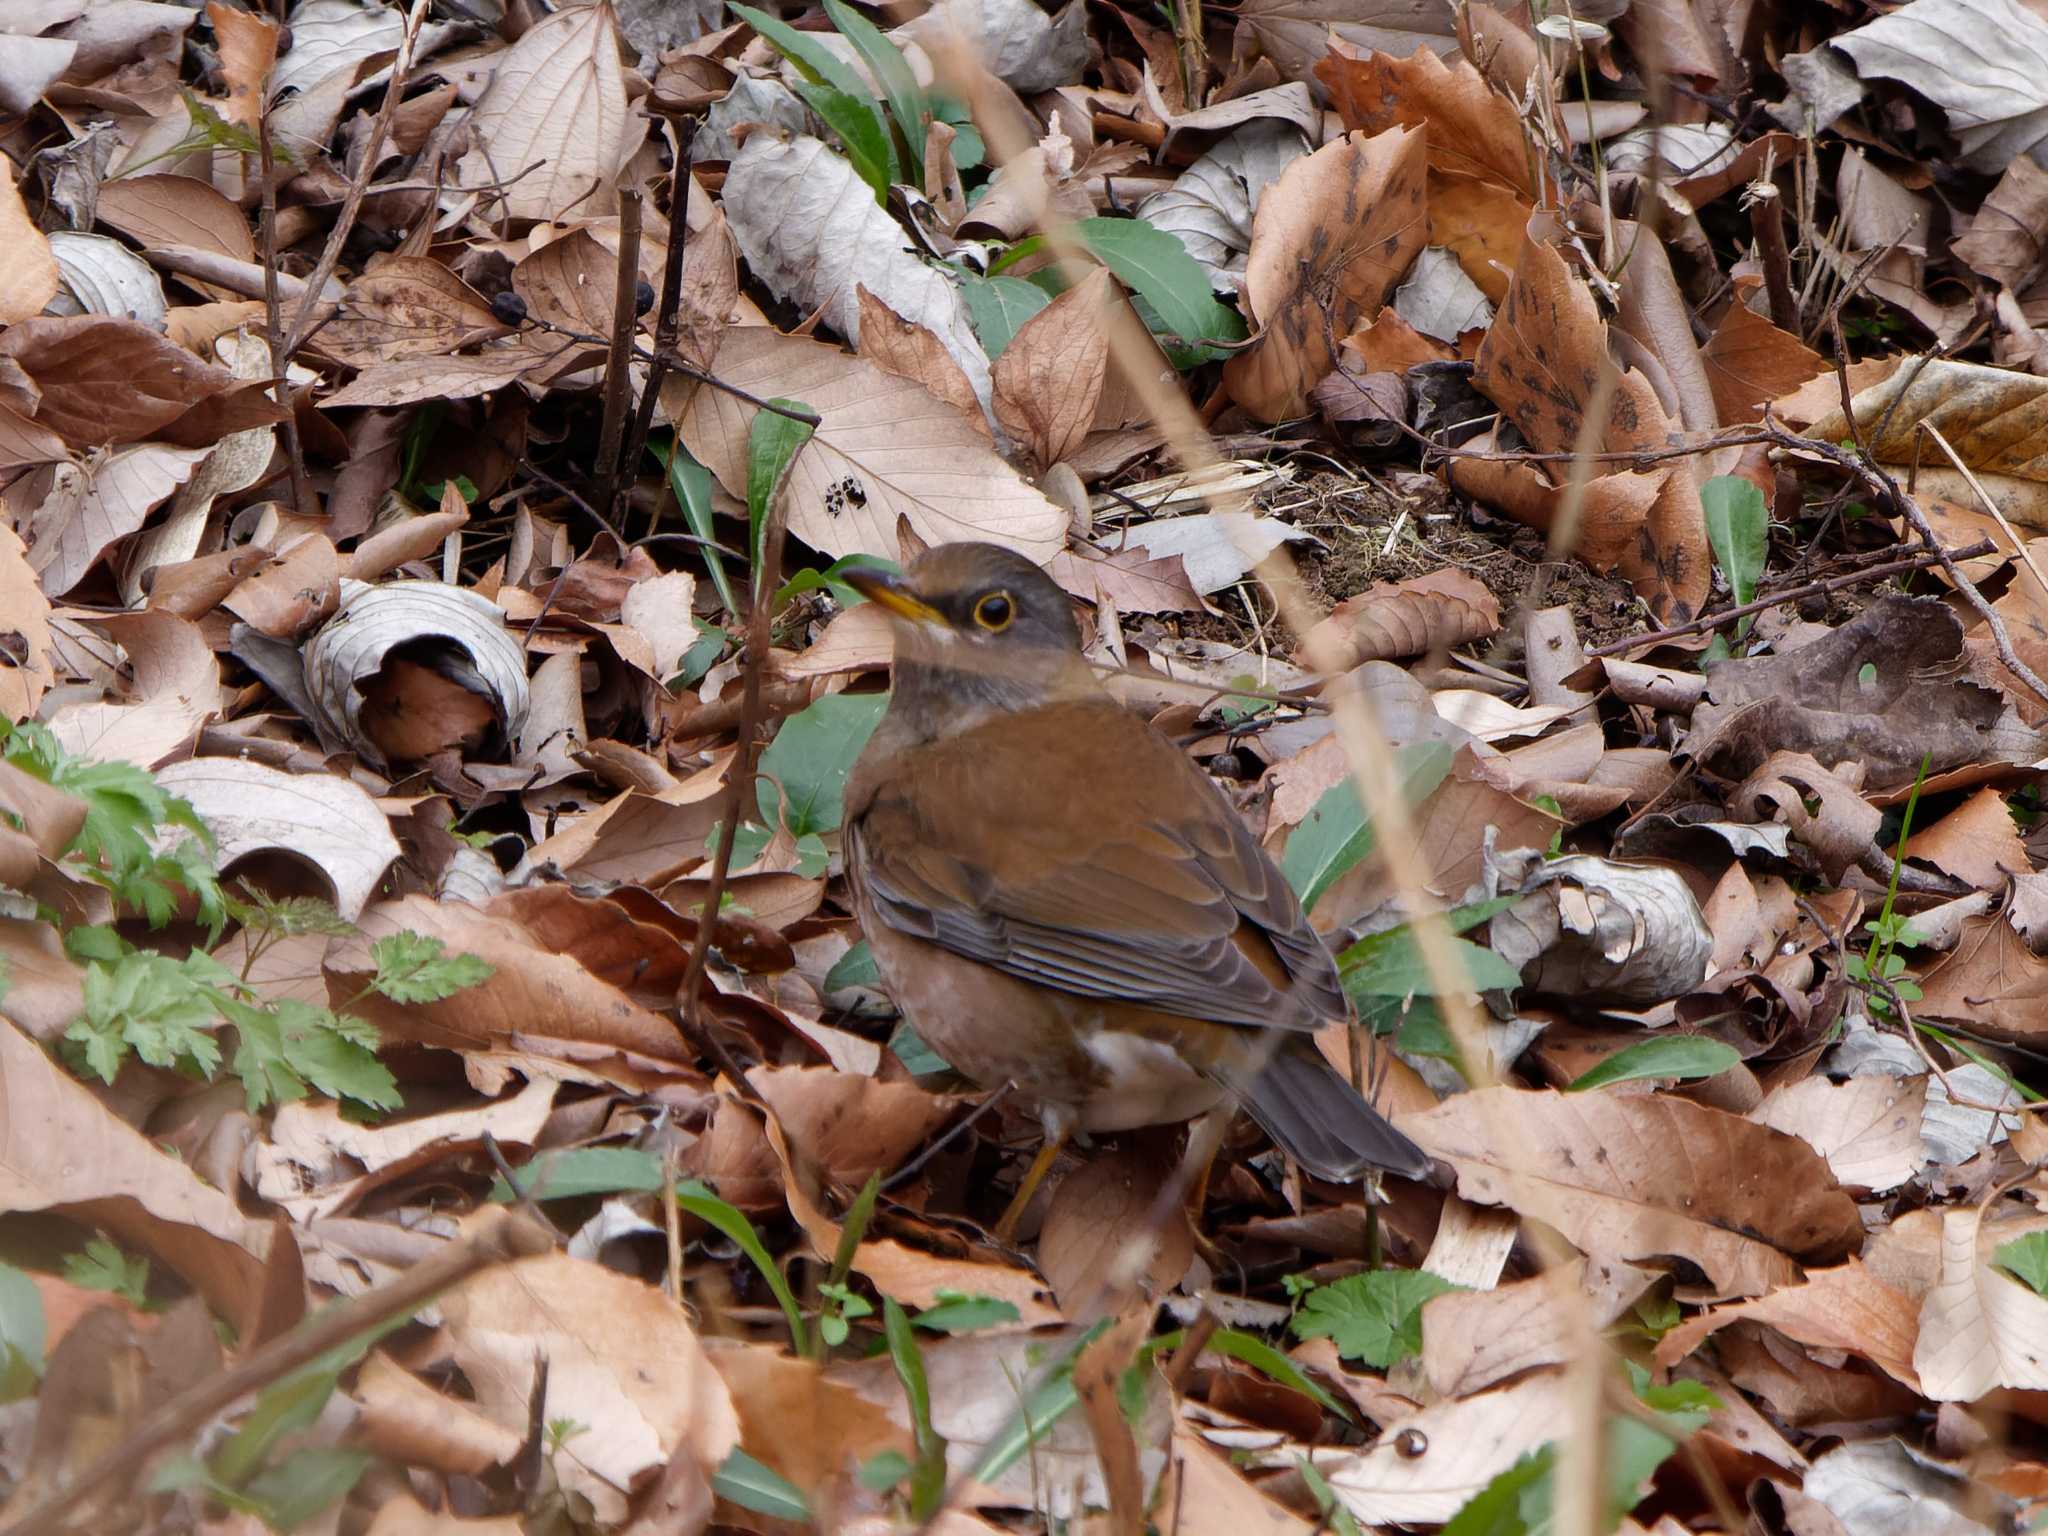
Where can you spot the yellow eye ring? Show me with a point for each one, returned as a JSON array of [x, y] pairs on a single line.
[[995, 611]]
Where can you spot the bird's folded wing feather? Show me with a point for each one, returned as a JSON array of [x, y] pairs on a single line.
[[1157, 895]]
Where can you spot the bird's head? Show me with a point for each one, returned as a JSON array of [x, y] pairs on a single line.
[[979, 629]]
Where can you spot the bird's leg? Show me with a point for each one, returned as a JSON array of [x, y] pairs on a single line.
[[1006, 1227], [1191, 1179]]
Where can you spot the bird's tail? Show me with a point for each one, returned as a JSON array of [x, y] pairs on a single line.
[[1318, 1119]]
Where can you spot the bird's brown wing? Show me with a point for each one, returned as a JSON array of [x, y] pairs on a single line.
[[1076, 848]]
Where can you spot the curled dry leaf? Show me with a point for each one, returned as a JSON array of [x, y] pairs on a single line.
[[1046, 383], [1594, 928], [911, 351], [322, 819], [1980, 1328], [1104, 1238], [1847, 1308], [445, 633], [1329, 243], [1645, 1179], [1393, 619], [1840, 833], [621, 1360], [850, 1126]]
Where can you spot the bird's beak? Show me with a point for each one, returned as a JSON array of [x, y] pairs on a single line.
[[894, 594]]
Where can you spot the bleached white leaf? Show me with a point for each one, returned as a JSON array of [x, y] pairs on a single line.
[[104, 277], [1983, 62], [1438, 299], [554, 127], [1210, 207], [811, 230], [1215, 548], [1016, 42]]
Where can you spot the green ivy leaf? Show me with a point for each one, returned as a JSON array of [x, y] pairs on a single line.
[[1374, 1317], [811, 756]]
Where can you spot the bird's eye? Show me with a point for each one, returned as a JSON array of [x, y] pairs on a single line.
[[995, 611]]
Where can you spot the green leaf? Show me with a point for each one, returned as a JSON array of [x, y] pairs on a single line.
[[862, 134], [883, 1471], [104, 1267], [999, 306], [691, 483], [699, 1201], [417, 968], [160, 1009], [853, 1228], [1375, 1317], [1739, 531], [886, 63], [2026, 1258], [855, 968], [578, 1171], [329, 1051], [968, 150], [772, 443], [810, 758], [1515, 1503], [832, 579], [1255, 1352], [1156, 266], [928, 1473], [918, 1059], [704, 650], [1680, 1056], [956, 1312], [1390, 964], [819, 65], [749, 1484], [304, 1483], [23, 1335], [1335, 835]]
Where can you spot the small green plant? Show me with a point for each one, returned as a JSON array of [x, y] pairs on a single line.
[[1738, 532], [164, 1011], [1881, 970], [208, 130], [123, 843], [1375, 1317], [840, 1306], [104, 1267], [2026, 1260]]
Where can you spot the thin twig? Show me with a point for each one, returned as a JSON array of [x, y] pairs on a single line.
[[359, 183], [738, 785], [618, 378], [1794, 594], [1767, 223], [498, 1236], [273, 329], [667, 327]]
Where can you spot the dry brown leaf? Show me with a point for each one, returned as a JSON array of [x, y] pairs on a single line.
[[1474, 131], [886, 449], [1981, 1328], [808, 1428], [408, 306], [407, 1420], [1099, 1241], [531, 996], [1750, 362], [248, 49], [25, 638], [1867, 1128], [850, 1126], [2008, 239], [1645, 1178], [62, 1151], [1415, 617], [1977, 842], [1473, 1339], [1846, 1308], [107, 381], [1131, 579], [910, 351], [1319, 264], [1046, 383], [622, 1361], [1828, 815], [1992, 981], [28, 272], [553, 128]]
